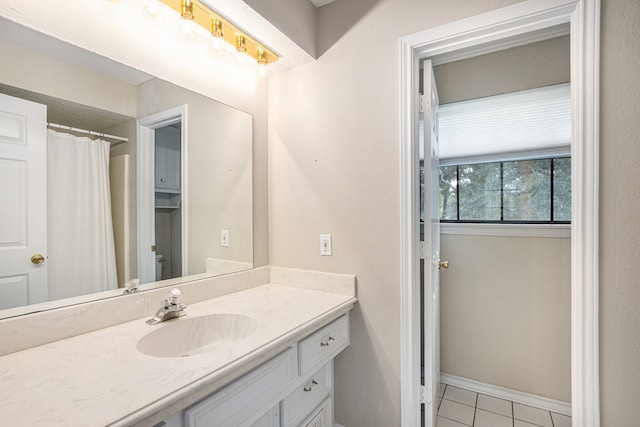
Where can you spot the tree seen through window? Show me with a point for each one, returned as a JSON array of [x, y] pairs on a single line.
[[522, 191]]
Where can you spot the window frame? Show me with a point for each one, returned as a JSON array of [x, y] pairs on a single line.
[[501, 222]]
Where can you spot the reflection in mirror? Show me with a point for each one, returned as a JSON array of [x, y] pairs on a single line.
[[103, 183]]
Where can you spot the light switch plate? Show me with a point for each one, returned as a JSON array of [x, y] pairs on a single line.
[[224, 238], [325, 244]]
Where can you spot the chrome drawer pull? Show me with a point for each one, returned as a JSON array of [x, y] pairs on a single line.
[[313, 384], [327, 342]]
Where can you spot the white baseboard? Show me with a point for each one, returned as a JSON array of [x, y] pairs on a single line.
[[337, 425], [552, 405]]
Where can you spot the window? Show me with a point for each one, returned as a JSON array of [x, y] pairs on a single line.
[[513, 192]]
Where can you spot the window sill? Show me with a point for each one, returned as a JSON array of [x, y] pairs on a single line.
[[508, 230]]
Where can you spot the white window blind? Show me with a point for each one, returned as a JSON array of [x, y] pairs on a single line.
[[530, 121]]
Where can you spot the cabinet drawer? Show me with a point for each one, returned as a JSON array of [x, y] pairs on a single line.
[[323, 345], [321, 417], [309, 395], [240, 403]]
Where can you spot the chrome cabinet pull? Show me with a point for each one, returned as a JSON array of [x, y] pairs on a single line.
[[311, 386], [327, 342]]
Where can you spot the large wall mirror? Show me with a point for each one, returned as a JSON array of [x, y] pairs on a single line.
[[109, 175]]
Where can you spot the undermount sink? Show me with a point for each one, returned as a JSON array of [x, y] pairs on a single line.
[[187, 336]]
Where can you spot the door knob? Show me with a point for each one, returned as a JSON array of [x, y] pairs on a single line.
[[443, 264], [37, 259]]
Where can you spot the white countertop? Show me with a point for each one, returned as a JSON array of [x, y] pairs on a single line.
[[100, 378]]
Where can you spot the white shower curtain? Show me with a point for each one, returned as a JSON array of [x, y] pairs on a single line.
[[81, 251]]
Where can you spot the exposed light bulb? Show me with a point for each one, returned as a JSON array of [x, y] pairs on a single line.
[[217, 33], [152, 8], [189, 28], [262, 71], [262, 62]]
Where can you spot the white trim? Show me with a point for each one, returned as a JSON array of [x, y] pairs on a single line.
[[507, 230], [509, 157], [491, 27], [519, 40], [146, 187], [553, 405], [410, 414], [145, 154]]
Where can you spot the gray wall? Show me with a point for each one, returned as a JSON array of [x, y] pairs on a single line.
[[218, 178], [333, 168], [531, 66], [506, 301], [619, 207], [505, 312]]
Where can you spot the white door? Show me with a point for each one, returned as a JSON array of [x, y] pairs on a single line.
[[431, 248], [23, 210]]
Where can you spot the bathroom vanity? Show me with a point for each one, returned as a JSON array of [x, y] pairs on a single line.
[[294, 388], [276, 371]]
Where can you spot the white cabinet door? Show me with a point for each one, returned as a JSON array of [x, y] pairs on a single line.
[[238, 404], [270, 419], [168, 158], [23, 210], [321, 417]]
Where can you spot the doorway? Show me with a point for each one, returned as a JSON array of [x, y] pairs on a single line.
[[504, 208], [513, 25], [162, 195]]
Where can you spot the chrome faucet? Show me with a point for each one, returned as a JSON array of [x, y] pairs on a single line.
[[170, 308]]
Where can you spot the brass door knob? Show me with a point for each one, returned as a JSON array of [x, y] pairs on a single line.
[[443, 264], [37, 259]]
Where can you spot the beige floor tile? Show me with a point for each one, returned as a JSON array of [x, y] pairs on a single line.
[[460, 395], [560, 420], [518, 423], [489, 419], [532, 415], [444, 422], [493, 404], [456, 411]]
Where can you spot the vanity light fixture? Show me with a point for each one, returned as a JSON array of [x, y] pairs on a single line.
[[241, 43], [189, 25], [223, 32], [241, 50], [262, 62], [186, 9], [216, 33]]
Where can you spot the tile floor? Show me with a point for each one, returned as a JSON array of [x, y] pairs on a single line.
[[463, 408]]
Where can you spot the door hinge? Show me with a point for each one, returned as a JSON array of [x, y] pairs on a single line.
[[425, 395], [425, 104], [423, 250]]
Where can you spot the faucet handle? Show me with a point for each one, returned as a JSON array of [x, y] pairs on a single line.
[[174, 295], [132, 286]]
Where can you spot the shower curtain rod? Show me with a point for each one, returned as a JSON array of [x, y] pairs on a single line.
[[90, 132]]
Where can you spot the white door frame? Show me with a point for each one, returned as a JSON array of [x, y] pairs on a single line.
[[146, 188], [516, 22]]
